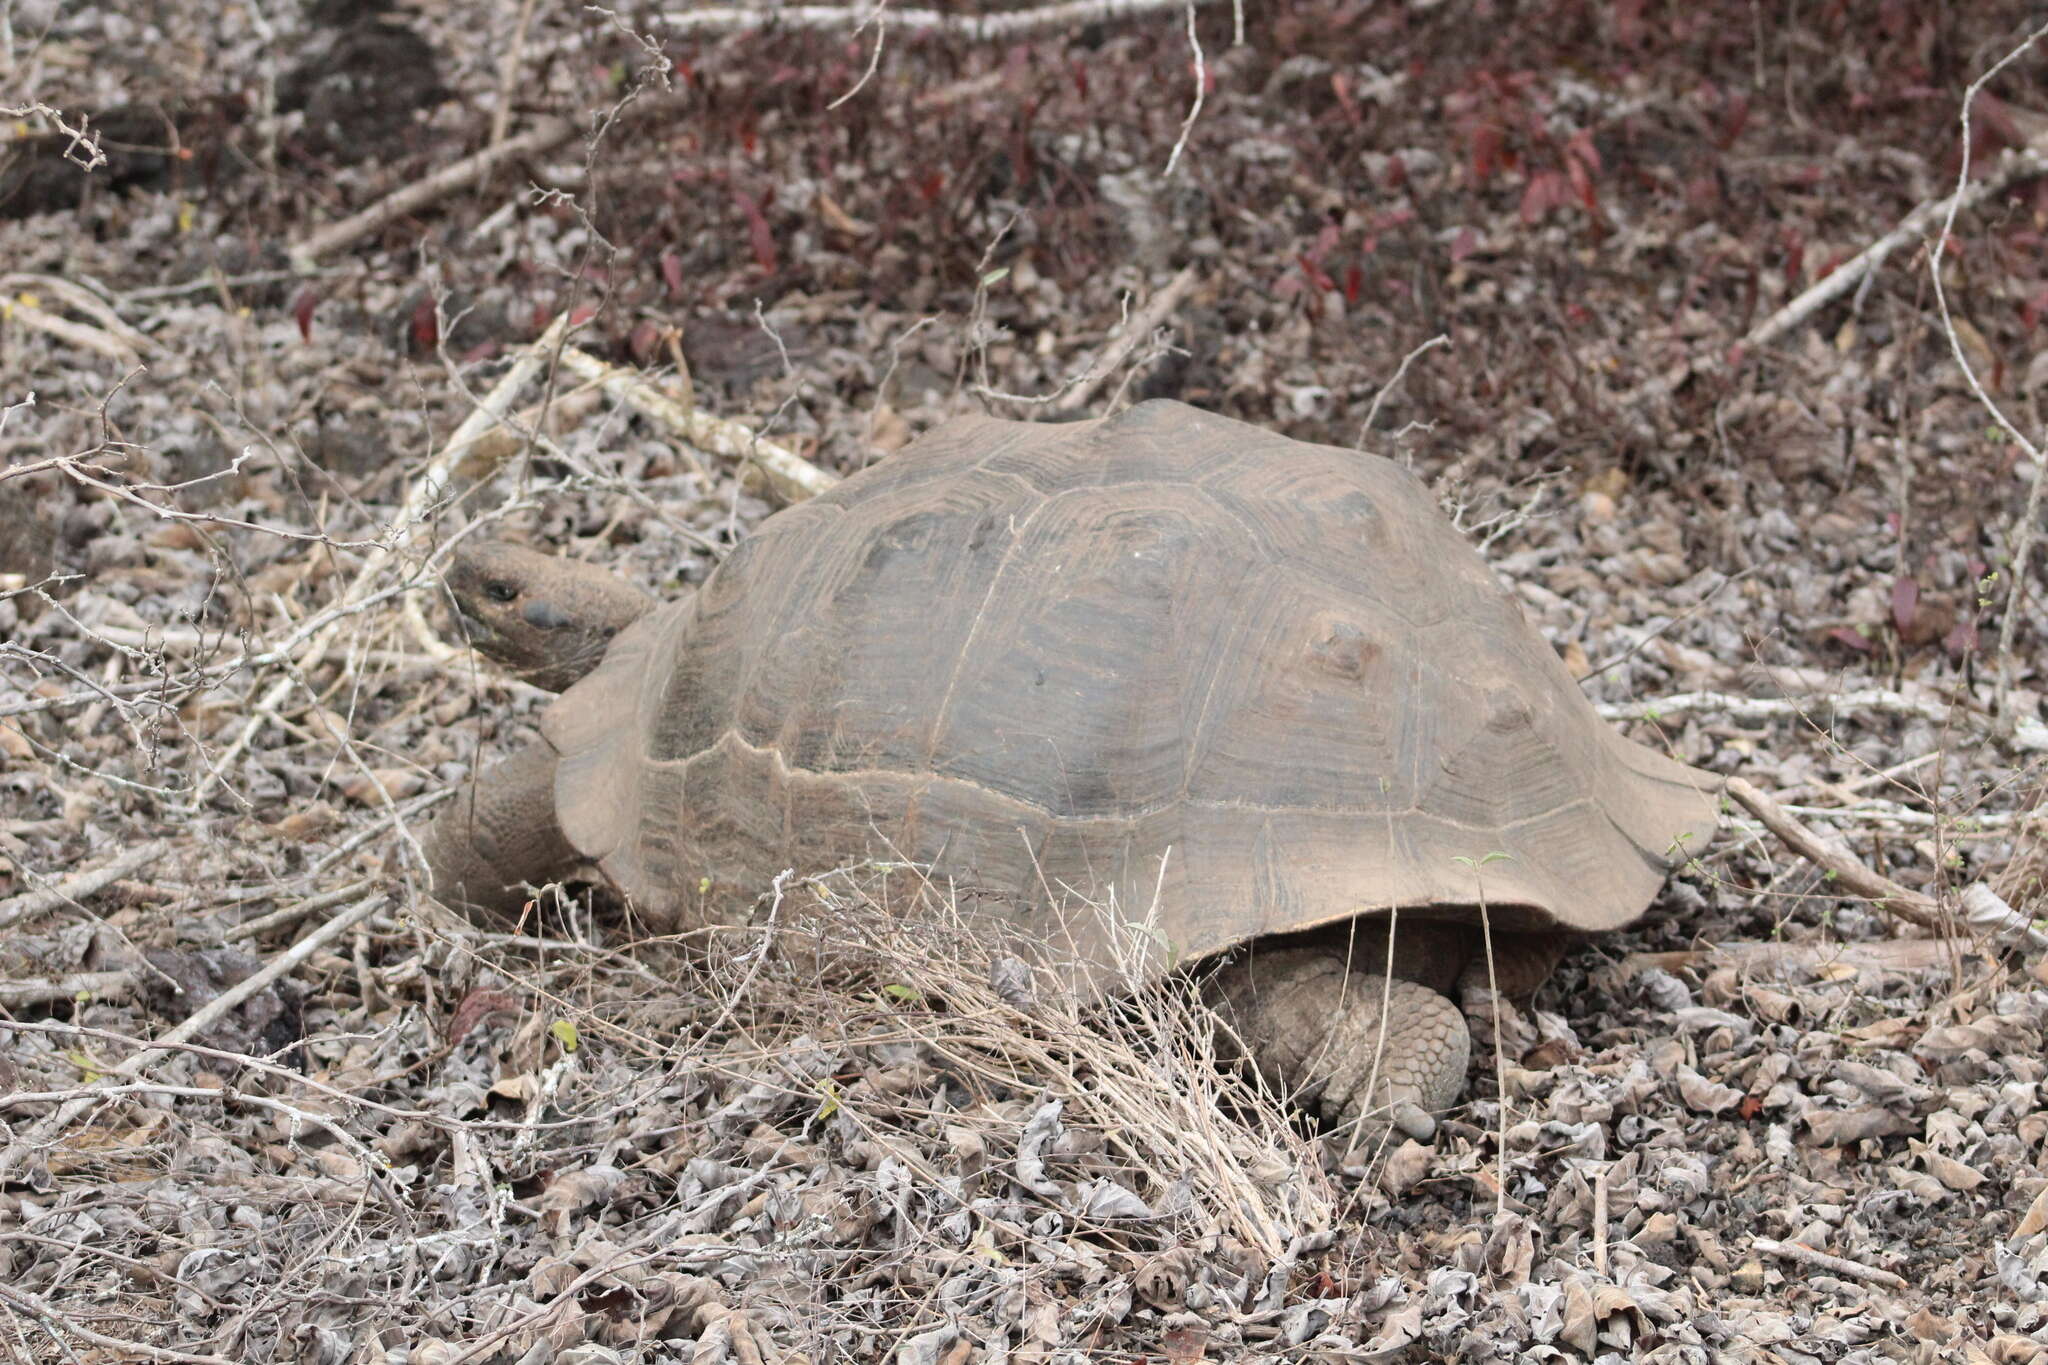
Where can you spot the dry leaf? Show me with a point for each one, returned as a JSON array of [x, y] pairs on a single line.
[[2036, 1217], [1185, 1345], [1405, 1166]]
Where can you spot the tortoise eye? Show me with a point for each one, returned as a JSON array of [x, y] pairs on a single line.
[[501, 592]]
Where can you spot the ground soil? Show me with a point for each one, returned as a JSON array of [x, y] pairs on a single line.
[[1774, 1122]]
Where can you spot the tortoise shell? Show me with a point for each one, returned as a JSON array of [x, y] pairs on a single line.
[[1206, 678]]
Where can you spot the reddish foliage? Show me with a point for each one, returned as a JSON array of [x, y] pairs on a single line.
[[642, 341], [1905, 603], [759, 235], [424, 326], [302, 312], [477, 1005]]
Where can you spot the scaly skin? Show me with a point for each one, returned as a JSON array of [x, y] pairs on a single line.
[[543, 619], [498, 834], [549, 621], [1313, 1027]]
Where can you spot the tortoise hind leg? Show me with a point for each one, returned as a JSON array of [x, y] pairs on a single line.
[[499, 832], [1358, 1048]]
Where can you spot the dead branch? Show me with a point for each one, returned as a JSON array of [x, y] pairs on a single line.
[[2023, 531], [25, 992], [122, 1350], [1400, 372], [1821, 1260], [296, 911], [1148, 319], [1201, 74], [1883, 955], [1779, 708], [2021, 163], [793, 477], [1911, 906], [82, 335], [973, 27], [544, 136], [46, 1130], [78, 885], [433, 484]]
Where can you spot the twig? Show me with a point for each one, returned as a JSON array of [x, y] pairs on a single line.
[[1187, 125], [974, 27], [545, 135], [79, 334], [432, 485], [793, 477], [1600, 1218], [294, 912], [372, 1166], [1879, 955], [1148, 319], [1909, 905], [25, 992], [2020, 164], [1777, 708], [1400, 372], [508, 75], [46, 1130], [1821, 1260], [2023, 533], [123, 1350], [79, 885]]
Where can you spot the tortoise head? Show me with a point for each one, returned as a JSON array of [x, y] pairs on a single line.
[[546, 620]]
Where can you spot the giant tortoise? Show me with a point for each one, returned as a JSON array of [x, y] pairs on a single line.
[[1161, 669]]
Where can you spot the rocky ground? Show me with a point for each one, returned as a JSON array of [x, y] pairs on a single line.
[[1773, 1123]]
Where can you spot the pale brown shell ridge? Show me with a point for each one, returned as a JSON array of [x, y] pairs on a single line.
[[595, 728], [1165, 660]]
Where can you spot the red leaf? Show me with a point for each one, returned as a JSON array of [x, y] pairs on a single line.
[[1905, 603], [1750, 1107], [759, 235], [1547, 189], [1628, 22], [1396, 173], [1488, 151], [580, 315], [1354, 284], [1734, 118], [1580, 148], [1582, 184], [640, 343], [1995, 129], [426, 328], [672, 273], [2035, 306], [1464, 244], [302, 312], [1340, 86], [476, 1005], [1315, 273], [1844, 635]]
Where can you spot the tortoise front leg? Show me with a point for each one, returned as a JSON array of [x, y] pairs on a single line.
[[1355, 1047], [499, 832]]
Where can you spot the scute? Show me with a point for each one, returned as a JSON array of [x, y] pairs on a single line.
[[1149, 686]]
